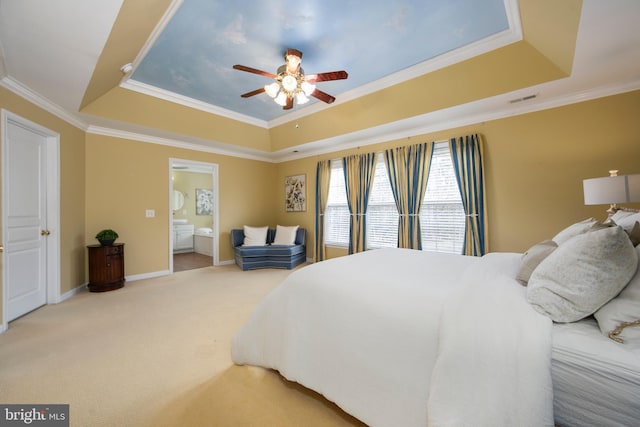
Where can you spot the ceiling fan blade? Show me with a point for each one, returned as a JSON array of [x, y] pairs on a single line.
[[253, 92], [289, 104], [254, 71], [323, 77], [323, 96]]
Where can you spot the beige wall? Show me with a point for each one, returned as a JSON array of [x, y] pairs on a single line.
[[535, 164], [72, 187], [125, 178]]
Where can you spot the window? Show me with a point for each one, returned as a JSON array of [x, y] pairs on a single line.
[[336, 215], [442, 215]]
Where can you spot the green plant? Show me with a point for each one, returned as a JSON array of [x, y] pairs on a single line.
[[107, 234]]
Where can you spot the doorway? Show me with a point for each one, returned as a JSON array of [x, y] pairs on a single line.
[[194, 213], [30, 217]]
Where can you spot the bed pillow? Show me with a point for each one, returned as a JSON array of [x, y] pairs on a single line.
[[532, 258], [255, 236], [582, 274], [575, 229], [634, 234], [285, 235], [625, 219], [622, 310]]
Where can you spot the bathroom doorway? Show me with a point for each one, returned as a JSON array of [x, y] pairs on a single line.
[[193, 223]]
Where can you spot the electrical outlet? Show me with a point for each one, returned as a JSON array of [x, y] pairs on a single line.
[[151, 213]]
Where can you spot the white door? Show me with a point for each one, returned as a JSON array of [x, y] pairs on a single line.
[[25, 214]]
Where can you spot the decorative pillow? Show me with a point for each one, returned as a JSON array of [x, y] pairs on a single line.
[[532, 257], [634, 234], [255, 236], [625, 218], [574, 230], [623, 309], [583, 274], [285, 235]]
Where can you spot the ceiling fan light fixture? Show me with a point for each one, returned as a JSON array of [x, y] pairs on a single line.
[[289, 83], [272, 89], [307, 88], [281, 99], [301, 98]]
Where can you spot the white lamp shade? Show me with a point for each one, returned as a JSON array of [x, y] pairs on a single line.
[[611, 189]]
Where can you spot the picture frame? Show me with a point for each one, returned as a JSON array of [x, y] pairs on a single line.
[[204, 201], [295, 193]]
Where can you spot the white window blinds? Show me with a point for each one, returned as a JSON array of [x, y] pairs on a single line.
[[441, 217]]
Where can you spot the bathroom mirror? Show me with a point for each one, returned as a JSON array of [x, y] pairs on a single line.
[[178, 200]]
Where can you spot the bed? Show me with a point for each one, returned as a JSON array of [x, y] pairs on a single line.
[[404, 337]]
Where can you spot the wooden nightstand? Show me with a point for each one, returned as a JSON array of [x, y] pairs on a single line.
[[106, 267]]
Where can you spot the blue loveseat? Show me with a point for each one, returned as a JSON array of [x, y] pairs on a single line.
[[269, 256]]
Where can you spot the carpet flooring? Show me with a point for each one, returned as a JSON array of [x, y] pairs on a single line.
[[156, 353]]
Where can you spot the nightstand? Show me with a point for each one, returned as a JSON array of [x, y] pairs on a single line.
[[106, 267]]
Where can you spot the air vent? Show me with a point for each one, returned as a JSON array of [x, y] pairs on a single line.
[[524, 98]]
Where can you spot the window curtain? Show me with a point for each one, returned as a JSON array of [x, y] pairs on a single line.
[[408, 169], [466, 156], [323, 181], [359, 171]]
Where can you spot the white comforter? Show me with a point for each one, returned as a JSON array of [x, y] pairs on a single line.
[[400, 337]]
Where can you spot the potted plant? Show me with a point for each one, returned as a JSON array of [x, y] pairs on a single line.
[[107, 237]]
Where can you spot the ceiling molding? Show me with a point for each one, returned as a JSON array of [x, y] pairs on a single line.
[[155, 92], [35, 98], [461, 115], [468, 114]]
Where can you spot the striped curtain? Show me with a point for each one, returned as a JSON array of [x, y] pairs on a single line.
[[323, 180], [466, 155], [359, 171], [408, 169]]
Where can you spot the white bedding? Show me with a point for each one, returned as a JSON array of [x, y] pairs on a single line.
[[365, 331], [596, 381]]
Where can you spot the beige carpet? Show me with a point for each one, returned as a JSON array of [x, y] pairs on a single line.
[[156, 353]]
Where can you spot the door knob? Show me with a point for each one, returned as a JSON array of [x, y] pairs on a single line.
[[1, 248], [44, 232]]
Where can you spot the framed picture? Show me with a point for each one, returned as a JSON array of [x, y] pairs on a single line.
[[295, 193], [204, 201]]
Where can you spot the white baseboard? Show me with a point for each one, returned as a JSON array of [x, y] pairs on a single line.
[[147, 275]]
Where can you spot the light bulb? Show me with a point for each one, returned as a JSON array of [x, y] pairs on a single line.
[[307, 88], [272, 89], [281, 99], [289, 83], [301, 98]]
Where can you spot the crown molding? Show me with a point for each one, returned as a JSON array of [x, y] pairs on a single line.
[[42, 102], [493, 108]]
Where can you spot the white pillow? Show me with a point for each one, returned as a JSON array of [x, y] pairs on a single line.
[[532, 258], [574, 230], [583, 274], [625, 219], [255, 236], [622, 309], [285, 235]]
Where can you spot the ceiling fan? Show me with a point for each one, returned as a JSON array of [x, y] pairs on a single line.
[[291, 82]]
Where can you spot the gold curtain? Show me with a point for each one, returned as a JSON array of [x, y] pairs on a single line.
[[467, 156], [359, 171], [408, 170]]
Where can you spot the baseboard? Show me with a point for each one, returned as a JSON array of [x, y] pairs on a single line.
[[72, 292], [228, 262], [147, 275]]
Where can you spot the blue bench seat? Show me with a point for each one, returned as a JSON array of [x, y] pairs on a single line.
[[269, 256]]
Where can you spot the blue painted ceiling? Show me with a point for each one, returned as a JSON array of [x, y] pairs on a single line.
[[194, 54]]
